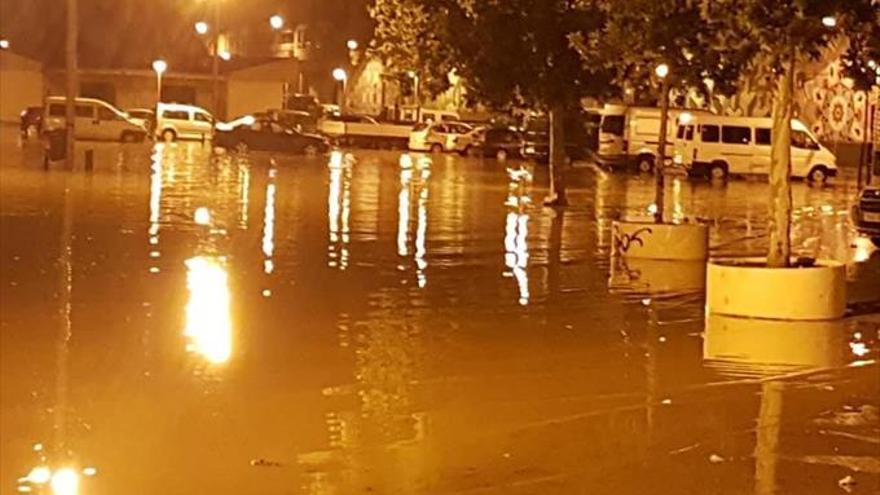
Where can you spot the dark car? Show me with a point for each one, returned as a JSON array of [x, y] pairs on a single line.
[[866, 214], [502, 144], [31, 119], [580, 136], [269, 136]]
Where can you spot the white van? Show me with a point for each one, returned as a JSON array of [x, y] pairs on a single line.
[[717, 146], [176, 121], [95, 119], [629, 134], [428, 115]]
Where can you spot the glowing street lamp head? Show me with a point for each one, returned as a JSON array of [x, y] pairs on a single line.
[[829, 21], [202, 27], [352, 44], [276, 21], [662, 71], [160, 66], [65, 481], [339, 74], [225, 55], [4, 44]]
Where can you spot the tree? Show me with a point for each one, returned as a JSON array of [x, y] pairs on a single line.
[[510, 54], [780, 33], [862, 57]]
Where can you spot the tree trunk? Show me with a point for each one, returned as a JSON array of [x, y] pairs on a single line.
[[779, 254], [557, 158], [660, 186], [72, 80]]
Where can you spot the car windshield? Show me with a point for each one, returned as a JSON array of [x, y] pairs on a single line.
[[613, 124]]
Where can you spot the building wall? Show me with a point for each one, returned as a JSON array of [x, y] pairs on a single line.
[[246, 96], [21, 85]]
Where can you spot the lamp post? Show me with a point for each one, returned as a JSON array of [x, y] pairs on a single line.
[[341, 76], [661, 71], [276, 22], [417, 93], [215, 62], [160, 66], [72, 78], [352, 44], [201, 28]]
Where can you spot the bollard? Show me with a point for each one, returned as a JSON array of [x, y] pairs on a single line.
[[90, 160]]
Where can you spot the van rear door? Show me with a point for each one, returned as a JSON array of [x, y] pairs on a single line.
[[736, 148]]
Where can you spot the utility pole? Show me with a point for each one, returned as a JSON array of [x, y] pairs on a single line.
[[215, 62], [71, 83]]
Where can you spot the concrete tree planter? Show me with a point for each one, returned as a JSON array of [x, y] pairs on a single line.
[[748, 288], [755, 346], [660, 241]]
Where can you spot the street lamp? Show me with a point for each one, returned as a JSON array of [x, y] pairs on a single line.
[[202, 27], [340, 75], [352, 44], [4, 44], [276, 21], [160, 66], [65, 481], [829, 21], [226, 56], [661, 71]]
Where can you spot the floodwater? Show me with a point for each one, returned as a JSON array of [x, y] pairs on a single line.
[[375, 323]]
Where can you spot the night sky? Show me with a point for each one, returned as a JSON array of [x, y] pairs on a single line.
[[132, 33]]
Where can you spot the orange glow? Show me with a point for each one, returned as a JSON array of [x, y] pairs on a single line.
[[208, 324]]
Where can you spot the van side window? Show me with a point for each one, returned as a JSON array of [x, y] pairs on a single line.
[[56, 110], [680, 133], [176, 115], [201, 117], [613, 124], [762, 136], [85, 111], [709, 133], [689, 133], [736, 134], [800, 139]]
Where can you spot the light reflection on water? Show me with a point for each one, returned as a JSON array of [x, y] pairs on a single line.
[[354, 381]]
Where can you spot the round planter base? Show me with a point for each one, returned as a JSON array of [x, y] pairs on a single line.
[[650, 277], [748, 288], [660, 241]]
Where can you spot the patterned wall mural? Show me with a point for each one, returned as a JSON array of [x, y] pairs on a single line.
[[832, 108]]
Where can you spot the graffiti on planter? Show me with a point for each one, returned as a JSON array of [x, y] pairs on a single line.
[[623, 241]]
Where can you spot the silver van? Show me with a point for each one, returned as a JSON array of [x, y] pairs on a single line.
[[177, 121], [95, 120]]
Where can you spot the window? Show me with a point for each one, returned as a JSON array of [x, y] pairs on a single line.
[[800, 139], [736, 134], [176, 115], [85, 111], [105, 113], [613, 124], [56, 110], [685, 132], [709, 133], [762, 136], [203, 117]]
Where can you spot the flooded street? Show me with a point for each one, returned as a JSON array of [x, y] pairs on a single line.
[[372, 322]]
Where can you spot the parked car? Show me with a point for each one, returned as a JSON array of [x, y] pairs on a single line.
[[177, 121], [866, 214], [95, 119], [145, 116], [31, 121], [295, 119], [263, 135], [502, 144], [435, 137], [717, 146], [304, 103], [466, 144]]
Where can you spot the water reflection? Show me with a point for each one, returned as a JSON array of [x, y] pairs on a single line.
[[208, 325], [268, 244], [414, 175], [339, 209], [516, 231]]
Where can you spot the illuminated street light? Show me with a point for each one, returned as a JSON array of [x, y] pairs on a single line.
[[829, 21], [225, 56], [202, 27], [352, 44], [662, 71], [276, 21], [339, 74], [4, 44], [65, 481], [39, 475], [160, 66]]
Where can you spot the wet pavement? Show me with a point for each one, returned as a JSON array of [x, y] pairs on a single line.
[[370, 322]]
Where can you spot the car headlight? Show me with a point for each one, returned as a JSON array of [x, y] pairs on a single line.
[[530, 150]]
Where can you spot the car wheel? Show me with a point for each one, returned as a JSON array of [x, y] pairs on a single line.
[[241, 147], [501, 155], [818, 175], [876, 240], [718, 171], [169, 135], [645, 163], [311, 150], [436, 148]]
